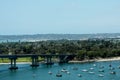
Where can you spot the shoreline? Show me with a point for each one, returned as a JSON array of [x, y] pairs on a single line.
[[76, 61], [96, 60]]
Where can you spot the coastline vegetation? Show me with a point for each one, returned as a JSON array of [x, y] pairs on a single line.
[[84, 49]]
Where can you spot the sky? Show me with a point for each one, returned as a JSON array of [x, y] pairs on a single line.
[[18, 17]]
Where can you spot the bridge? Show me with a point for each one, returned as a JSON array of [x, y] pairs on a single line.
[[34, 58]]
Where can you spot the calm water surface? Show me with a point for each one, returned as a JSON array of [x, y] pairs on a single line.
[[25, 72]]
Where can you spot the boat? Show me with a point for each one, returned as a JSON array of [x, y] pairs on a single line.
[[94, 65], [58, 75], [111, 68], [64, 70], [79, 75], [91, 68], [84, 70], [101, 70], [101, 67], [68, 72], [91, 72], [50, 72], [113, 72], [100, 75]]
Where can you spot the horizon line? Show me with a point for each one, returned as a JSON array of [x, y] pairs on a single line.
[[56, 34]]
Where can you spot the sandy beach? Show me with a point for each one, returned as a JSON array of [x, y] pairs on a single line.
[[96, 60], [108, 59], [76, 61]]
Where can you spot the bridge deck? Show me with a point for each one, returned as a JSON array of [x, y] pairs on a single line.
[[32, 55]]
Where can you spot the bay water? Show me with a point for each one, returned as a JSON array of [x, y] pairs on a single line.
[[71, 71]]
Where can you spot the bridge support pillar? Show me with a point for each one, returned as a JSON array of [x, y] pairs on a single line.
[[13, 63], [34, 61], [49, 60], [62, 59]]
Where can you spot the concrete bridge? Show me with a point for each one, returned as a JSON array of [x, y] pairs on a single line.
[[63, 58]]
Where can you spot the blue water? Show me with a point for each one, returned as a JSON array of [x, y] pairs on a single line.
[[25, 72]]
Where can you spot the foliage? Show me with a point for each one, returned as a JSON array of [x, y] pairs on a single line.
[[84, 49]]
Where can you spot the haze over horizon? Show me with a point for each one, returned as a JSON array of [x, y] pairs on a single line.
[[19, 17]]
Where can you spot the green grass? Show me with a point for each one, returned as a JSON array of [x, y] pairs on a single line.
[[4, 60], [26, 59], [23, 60]]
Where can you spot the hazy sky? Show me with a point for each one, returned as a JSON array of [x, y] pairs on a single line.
[[59, 16]]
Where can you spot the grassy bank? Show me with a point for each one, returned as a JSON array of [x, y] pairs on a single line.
[[26, 59], [5, 60]]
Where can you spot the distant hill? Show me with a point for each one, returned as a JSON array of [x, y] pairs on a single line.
[[38, 37]]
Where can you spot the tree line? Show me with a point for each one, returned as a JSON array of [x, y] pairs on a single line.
[[84, 49]]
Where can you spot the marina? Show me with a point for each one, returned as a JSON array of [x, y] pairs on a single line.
[[85, 71]]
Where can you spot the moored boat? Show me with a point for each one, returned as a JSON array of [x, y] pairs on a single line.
[[50, 72], [79, 75], [58, 75], [91, 72], [100, 75], [101, 70], [84, 70], [112, 72]]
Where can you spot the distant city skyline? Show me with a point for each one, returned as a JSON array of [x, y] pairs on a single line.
[[19, 17]]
